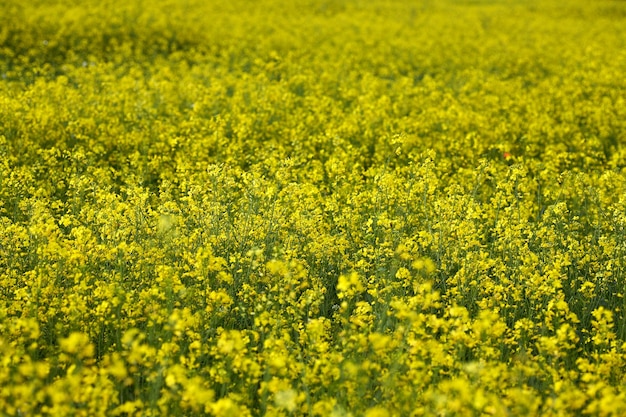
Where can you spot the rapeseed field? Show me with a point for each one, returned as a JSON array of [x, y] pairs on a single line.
[[313, 208]]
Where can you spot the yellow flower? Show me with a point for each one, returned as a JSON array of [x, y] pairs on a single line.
[[349, 285], [286, 399], [77, 344], [377, 412]]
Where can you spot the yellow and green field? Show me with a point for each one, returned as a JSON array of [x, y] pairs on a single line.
[[313, 208]]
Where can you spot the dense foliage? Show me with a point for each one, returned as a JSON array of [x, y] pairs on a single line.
[[312, 207]]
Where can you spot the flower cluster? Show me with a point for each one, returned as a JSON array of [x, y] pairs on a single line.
[[335, 208]]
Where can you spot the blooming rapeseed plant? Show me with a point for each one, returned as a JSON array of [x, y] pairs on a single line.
[[338, 208]]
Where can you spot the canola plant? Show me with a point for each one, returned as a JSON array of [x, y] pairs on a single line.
[[313, 207]]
